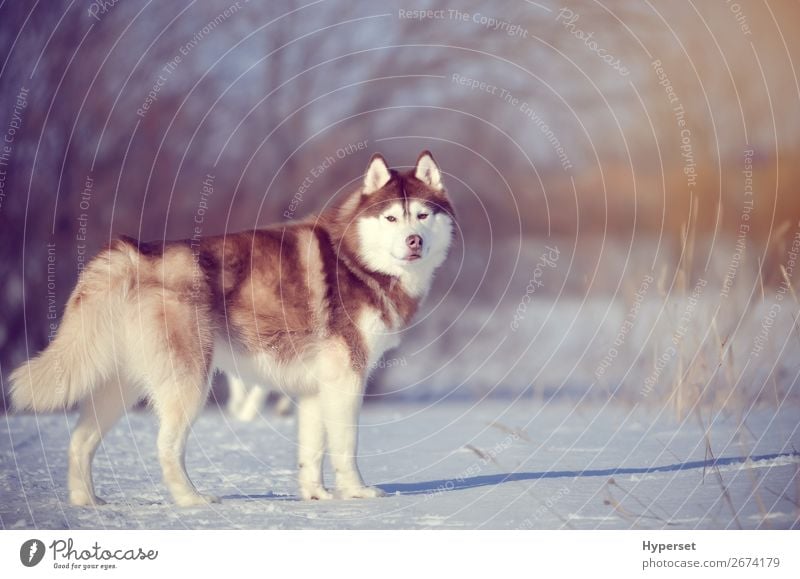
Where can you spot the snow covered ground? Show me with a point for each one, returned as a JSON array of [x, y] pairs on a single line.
[[497, 464]]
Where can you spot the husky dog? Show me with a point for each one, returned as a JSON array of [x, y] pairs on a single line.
[[309, 305]]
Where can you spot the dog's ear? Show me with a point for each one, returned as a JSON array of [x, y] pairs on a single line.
[[377, 174], [428, 171]]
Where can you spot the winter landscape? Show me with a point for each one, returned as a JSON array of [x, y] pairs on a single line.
[[614, 339], [489, 465], [708, 439]]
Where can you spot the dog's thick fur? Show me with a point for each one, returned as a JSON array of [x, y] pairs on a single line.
[[309, 306]]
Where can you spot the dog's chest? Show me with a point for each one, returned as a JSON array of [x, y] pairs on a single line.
[[378, 336]]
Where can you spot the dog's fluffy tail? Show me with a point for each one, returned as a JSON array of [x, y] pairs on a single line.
[[81, 356]]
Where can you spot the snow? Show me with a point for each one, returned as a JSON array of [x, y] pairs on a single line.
[[496, 464], [571, 339]]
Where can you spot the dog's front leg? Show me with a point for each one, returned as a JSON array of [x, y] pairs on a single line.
[[311, 439], [341, 402]]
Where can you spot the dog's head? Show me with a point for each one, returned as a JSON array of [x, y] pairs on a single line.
[[402, 221]]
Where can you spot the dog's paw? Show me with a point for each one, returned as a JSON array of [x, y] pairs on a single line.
[[315, 493], [360, 493], [196, 500], [82, 499]]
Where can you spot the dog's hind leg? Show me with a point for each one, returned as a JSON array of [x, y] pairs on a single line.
[[237, 393], [177, 406], [311, 439], [252, 404], [174, 359], [98, 413]]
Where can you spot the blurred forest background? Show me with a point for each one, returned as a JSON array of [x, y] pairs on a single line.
[[639, 139]]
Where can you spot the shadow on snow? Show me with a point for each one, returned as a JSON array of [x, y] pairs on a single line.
[[456, 484]]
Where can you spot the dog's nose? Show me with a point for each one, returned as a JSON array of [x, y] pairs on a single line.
[[414, 242]]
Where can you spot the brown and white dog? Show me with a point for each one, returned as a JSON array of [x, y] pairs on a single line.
[[309, 305]]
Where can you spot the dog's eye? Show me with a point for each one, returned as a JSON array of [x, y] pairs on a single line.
[[391, 218], [422, 216]]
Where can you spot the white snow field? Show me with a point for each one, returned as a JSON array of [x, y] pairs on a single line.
[[496, 464]]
